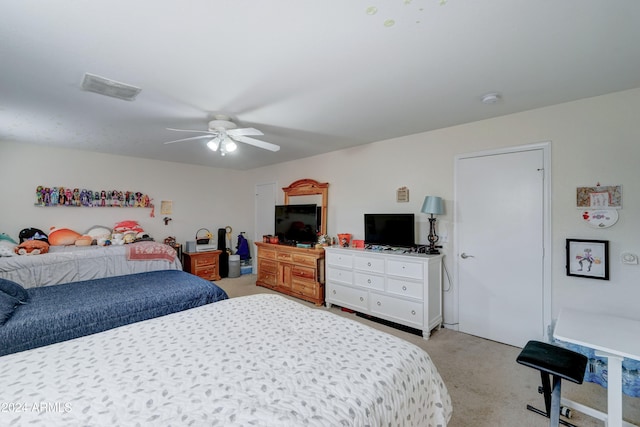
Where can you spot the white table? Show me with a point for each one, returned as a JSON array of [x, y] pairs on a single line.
[[612, 337]]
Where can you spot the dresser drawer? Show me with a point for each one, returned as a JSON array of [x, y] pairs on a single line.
[[369, 264], [265, 253], [339, 275], [405, 288], [397, 310], [284, 256], [370, 281], [339, 260], [413, 270], [205, 259], [267, 278], [304, 272], [304, 260], [305, 287], [345, 296], [267, 266]]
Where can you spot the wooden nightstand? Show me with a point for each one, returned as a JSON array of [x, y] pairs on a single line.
[[202, 264]]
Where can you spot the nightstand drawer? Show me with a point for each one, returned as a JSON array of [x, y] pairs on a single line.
[[207, 273], [205, 259]]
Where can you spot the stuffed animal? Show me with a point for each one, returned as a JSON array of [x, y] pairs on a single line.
[[32, 247], [32, 234], [128, 225], [99, 235], [63, 236], [83, 241]]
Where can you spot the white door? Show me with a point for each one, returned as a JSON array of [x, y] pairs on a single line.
[[501, 201], [265, 210]]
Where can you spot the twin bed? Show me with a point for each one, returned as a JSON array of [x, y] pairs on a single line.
[[260, 360]]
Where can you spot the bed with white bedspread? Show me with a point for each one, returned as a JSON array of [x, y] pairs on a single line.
[[66, 264], [260, 360]]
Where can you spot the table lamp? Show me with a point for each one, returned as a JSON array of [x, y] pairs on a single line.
[[432, 205]]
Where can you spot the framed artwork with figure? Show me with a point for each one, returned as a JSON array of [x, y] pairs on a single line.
[[588, 258]]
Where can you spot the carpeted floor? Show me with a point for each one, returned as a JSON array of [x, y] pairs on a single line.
[[487, 386]]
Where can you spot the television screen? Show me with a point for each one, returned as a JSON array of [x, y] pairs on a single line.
[[297, 223], [389, 229]]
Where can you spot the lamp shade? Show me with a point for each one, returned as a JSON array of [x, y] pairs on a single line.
[[432, 205]]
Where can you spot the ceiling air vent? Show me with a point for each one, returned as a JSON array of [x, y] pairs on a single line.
[[109, 87]]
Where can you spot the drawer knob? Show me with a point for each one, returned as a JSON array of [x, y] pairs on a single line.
[[361, 299], [334, 291], [379, 303], [369, 264], [404, 288], [369, 281], [413, 312]]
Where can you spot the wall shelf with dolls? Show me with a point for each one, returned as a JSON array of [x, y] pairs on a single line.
[[61, 196]]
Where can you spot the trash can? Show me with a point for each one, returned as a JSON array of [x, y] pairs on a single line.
[[234, 266]]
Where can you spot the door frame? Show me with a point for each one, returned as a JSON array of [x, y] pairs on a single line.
[[546, 212], [256, 213]]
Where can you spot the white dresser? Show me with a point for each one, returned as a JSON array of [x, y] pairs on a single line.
[[401, 288]]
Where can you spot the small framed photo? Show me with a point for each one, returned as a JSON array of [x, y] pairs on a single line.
[[588, 258]]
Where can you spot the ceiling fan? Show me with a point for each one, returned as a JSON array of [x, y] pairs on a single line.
[[223, 133]]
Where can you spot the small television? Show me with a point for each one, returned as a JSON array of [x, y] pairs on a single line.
[[297, 223], [390, 229]]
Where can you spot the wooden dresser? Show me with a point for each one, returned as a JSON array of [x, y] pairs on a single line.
[[294, 271], [202, 264]]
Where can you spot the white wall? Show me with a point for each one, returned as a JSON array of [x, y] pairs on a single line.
[[593, 140], [202, 197]]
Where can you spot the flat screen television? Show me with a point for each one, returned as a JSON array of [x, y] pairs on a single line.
[[297, 223], [390, 229]]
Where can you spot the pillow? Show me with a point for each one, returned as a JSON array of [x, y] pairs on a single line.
[[6, 248], [8, 305], [14, 290]]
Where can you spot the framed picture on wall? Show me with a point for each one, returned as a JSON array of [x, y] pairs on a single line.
[[588, 258]]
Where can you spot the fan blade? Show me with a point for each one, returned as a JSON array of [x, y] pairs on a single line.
[[196, 131], [257, 143], [244, 132], [191, 138]]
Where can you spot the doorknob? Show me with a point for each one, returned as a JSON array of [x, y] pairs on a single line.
[[465, 256]]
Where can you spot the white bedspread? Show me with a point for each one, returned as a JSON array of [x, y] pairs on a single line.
[[261, 360], [65, 264]]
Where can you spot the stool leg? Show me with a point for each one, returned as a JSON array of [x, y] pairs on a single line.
[[546, 391], [554, 415]]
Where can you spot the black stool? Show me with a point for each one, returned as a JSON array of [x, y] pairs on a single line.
[[552, 360]]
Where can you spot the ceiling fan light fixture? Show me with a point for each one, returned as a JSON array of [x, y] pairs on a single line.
[[230, 146], [213, 144]]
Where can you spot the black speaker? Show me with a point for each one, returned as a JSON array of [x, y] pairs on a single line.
[[222, 239], [223, 265]]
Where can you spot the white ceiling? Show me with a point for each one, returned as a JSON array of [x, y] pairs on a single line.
[[314, 76]]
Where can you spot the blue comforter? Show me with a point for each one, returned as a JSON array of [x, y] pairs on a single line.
[[63, 312]]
